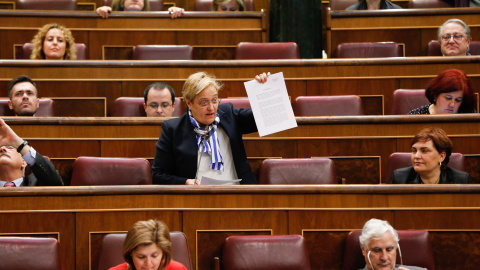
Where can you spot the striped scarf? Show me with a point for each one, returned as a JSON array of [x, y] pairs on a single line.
[[207, 141]]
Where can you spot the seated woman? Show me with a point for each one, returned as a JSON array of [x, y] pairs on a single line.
[[373, 5], [450, 92], [205, 141], [53, 42], [228, 5], [148, 246], [431, 150], [134, 5]]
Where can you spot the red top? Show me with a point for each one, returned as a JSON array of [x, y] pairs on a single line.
[[173, 265]]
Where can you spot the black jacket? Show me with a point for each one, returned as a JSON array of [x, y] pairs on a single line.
[[448, 176]]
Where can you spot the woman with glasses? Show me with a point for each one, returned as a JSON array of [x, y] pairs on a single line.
[[206, 140], [373, 4], [450, 92]]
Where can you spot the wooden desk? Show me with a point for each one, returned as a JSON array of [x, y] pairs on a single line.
[[412, 27], [359, 145], [213, 34], [374, 79], [80, 216]]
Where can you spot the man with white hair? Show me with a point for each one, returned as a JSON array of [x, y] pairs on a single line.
[[454, 37], [379, 243]]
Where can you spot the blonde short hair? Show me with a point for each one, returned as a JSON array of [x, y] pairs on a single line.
[[37, 52], [146, 233], [217, 3], [196, 83]]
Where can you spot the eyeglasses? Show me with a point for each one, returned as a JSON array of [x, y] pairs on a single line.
[[447, 37], [8, 147], [155, 106], [206, 103]]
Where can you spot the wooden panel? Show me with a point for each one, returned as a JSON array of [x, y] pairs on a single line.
[[84, 107], [357, 169], [445, 246]]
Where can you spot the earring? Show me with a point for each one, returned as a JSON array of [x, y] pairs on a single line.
[[440, 163]]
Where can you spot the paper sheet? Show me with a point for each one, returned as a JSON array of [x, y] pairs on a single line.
[[211, 181], [270, 105]]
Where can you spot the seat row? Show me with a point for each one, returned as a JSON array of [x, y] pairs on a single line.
[[252, 252], [137, 171], [343, 4]]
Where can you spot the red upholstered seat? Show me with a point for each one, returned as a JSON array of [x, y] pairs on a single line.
[[81, 50], [46, 108], [431, 4], [133, 107], [112, 244], [162, 52], [29, 253], [238, 103], [204, 5], [269, 50], [433, 48], [297, 171], [414, 244], [368, 50], [47, 4], [260, 252], [89, 171], [399, 160], [155, 5], [405, 100], [328, 105], [341, 4]]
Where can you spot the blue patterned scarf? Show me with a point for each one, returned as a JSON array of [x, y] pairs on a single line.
[[207, 141]]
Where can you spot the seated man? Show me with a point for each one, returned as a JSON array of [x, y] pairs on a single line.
[[454, 37], [159, 100], [379, 243], [23, 96], [15, 155]]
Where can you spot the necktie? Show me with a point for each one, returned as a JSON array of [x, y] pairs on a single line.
[[9, 184]]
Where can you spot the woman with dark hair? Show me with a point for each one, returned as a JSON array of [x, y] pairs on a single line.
[[450, 92], [148, 246], [373, 4], [431, 150], [134, 5], [228, 5]]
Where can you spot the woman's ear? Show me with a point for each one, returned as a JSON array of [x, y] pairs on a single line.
[[189, 104], [442, 156]]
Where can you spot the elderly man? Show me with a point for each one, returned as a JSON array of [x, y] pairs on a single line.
[[15, 155], [23, 96], [159, 100], [379, 243], [454, 37]]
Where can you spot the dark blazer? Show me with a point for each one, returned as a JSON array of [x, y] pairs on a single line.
[[177, 152], [384, 4], [43, 174], [448, 176]]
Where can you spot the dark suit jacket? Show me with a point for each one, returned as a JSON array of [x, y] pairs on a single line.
[[43, 174], [177, 152], [448, 176]]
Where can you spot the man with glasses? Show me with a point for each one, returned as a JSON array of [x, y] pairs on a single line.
[[159, 100], [15, 155], [454, 37]]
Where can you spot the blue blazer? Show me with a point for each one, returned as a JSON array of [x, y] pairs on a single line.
[[177, 152]]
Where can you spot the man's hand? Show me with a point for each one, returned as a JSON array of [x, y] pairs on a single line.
[[9, 137], [176, 12], [104, 11]]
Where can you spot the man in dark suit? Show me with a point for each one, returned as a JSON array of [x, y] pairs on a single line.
[[16, 155]]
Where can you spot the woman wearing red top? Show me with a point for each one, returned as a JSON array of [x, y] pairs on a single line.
[[148, 247]]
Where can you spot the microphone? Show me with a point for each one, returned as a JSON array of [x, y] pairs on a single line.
[[368, 255], [400, 253]]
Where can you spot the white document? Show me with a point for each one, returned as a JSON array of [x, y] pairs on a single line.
[[211, 181], [270, 105]]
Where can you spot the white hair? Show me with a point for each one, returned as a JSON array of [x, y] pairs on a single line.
[[376, 229]]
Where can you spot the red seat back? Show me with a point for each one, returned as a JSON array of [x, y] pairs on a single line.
[[29, 253], [45, 109], [405, 100], [112, 245], [89, 171], [238, 103], [260, 252], [297, 171], [80, 47], [47, 4], [400, 160], [162, 52], [328, 105], [133, 107], [368, 50], [269, 50], [433, 48], [414, 244], [431, 4]]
